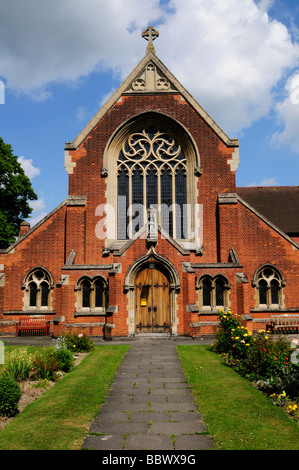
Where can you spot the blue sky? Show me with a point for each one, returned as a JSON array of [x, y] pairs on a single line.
[[60, 60]]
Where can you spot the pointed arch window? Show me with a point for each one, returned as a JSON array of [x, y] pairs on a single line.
[[92, 295], [269, 285], [37, 287], [213, 292], [151, 172]]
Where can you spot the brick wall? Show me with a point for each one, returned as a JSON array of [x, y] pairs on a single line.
[[73, 228]]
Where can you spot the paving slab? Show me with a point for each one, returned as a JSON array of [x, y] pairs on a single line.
[[150, 405]]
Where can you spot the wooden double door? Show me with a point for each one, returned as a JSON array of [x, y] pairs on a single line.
[[152, 311]]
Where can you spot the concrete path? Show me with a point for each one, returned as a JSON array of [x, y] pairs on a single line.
[[150, 405]]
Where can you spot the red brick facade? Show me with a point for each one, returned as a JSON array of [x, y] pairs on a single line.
[[236, 240]]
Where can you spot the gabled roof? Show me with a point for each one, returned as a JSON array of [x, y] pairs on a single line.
[[137, 83], [279, 204]]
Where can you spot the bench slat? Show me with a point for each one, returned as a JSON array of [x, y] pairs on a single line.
[[30, 325], [284, 322]]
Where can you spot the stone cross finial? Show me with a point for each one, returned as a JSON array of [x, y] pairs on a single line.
[[150, 34]]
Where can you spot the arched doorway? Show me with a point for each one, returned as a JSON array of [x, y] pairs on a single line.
[[152, 303], [152, 281]]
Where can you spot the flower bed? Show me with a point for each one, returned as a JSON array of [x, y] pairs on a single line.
[[269, 363], [35, 373]]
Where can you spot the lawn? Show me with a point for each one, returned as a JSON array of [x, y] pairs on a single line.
[[239, 416], [60, 418]]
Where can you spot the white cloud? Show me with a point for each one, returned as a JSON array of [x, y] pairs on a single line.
[[30, 170], [38, 212], [265, 182], [36, 218], [228, 53], [288, 116], [48, 41], [38, 205], [81, 114]]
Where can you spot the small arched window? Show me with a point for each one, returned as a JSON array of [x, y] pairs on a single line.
[[92, 295], [269, 284], [213, 292], [37, 286]]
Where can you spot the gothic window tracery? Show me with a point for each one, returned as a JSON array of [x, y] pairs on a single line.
[[269, 285], [152, 172], [37, 290]]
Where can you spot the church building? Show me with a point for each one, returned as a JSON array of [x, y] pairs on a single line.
[[154, 235]]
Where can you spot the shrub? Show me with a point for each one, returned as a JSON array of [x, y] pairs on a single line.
[[232, 337], [18, 365], [44, 365], [78, 342], [267, 358], [258, 358], [290, 380], [64, 358], [10, 394]]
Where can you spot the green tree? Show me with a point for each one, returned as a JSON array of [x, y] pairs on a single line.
[[15, 191]]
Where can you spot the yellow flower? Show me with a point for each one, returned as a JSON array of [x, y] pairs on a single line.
[[247, 344]]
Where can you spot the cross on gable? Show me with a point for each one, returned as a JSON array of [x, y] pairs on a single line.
[[150, 34]]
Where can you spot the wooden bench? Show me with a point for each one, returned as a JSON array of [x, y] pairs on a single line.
[[284, 323], [32, 327]]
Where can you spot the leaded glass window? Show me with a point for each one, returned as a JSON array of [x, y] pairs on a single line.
[[33, 294], [44, 294], [86, 294], [37, 285], [92, 293], [151, 170], [269, 284], [219, 292], [213, 292], [206, 292], [263, 291], [99, 294]]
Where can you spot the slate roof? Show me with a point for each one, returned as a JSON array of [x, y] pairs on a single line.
[[279, 204]]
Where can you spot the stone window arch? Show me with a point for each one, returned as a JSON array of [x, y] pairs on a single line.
[[91, 295], [38, 286], [213, 292], [152, 161], [268, 283]]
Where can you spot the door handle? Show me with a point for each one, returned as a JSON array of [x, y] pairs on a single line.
[[149, 309], [155, 309]]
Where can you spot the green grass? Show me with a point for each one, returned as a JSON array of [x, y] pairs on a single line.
[[238, 416], [60, 418]]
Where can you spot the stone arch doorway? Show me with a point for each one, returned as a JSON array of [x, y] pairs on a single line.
[[152, 284], [152, 302]]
